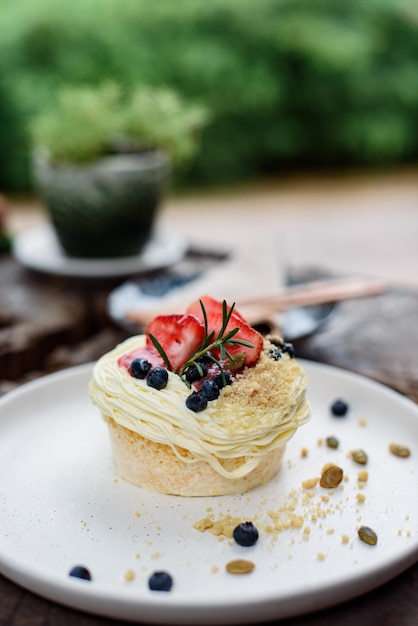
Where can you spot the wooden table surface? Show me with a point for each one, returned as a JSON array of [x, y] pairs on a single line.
[[47, 323]]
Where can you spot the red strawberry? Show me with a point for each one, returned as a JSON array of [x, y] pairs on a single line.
[[214, 314], [211, 306], [245, 333], [179, 336]]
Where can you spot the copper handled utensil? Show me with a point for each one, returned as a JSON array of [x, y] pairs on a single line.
[[264, 307]]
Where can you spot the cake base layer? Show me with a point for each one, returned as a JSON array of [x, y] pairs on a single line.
[[154, 466]]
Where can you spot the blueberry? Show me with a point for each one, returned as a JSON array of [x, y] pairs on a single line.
[[210, 389], [79, 571], [246, 534], [157, 377], [275, 354], [219, 381], [196, 402], [139, 368], [160, 581], [288, 347], [339, 408], [193, 374], [206, 358]]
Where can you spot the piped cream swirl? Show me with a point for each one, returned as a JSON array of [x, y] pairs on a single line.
[[260, 411]]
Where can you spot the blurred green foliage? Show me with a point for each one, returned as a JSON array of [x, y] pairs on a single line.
[[86, 123], [289, 83]]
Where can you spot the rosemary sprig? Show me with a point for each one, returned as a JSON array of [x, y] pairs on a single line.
[[210, 342], [161, 351]]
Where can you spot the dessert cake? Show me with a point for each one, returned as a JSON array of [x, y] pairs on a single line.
[[201, 404]]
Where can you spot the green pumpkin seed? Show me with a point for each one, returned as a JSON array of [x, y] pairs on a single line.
[[331, 476], [332, 442], [240, 566], [367, 535], [359, 456], [399, 450]]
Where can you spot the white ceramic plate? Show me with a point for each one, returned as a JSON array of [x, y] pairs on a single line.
[[61, 504], [38, 248]]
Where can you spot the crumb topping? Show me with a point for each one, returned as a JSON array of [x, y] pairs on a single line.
[[264, 385]]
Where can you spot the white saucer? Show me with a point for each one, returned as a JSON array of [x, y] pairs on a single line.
[[62, 504], [38, 248]]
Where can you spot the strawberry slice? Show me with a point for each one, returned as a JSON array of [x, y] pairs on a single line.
[[214, 314], [211, 306], [179, 336], [245, 333]]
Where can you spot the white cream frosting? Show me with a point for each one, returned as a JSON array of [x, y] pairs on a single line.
[[224, 430]]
